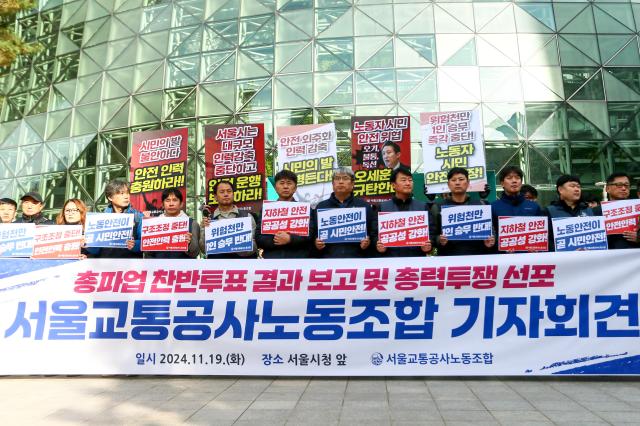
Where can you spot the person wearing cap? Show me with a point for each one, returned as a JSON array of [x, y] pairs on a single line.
[[8, 208], [618, 187], [32, 205]]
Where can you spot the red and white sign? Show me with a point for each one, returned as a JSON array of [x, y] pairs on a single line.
[[57, 242], [403, 229], [621, 216], [523, 233], [285, 216], [164, 233]]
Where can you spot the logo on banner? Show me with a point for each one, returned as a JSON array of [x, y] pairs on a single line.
[[403, 229], [229, 236], [621, 216], [16, 239], [452, 139], [523, 233], [466, 222], [57, 242], [108, 229], [579, 233], [165, 233], [285, 216], [342, 225]]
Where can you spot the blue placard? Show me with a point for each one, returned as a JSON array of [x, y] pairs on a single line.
[[108, 229], [16, 239], [465, 223], [579, 233], [342, 225], [229, 236]]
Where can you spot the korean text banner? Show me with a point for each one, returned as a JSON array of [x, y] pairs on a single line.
[[236, 153], [466, 222], [344, 225], [284, 216], [378, 146], [523, 233], [158, 162], [579, 233], [403, 229], [309, 151], [165, 233], [522, 314], [108, 229], [228, 236], [452, 139], [621, 215], [57, 242], [16, 239]]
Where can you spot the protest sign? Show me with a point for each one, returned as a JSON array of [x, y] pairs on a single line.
[[579, 233], [108, 229], [284, 216], [229, 236], [165, 233], [523, 233], [16, 239], [403, 229], [346, 225], [57, 242], [466, 222], [621, 216]]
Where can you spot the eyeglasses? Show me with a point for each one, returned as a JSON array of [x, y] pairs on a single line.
[[71, 211], [620, 185]]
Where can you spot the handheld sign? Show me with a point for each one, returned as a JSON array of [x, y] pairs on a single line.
[[285, 216], [228, 236], [342, 225], [16, 239], [464, 223], [108, 229], [574, 233], [57, 242], [521, 233], [164, 233], [403, 229], [621, 216]]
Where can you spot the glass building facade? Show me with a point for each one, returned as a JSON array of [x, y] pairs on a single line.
[[557, 82]]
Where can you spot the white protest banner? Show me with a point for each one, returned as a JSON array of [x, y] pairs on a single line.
[[452, 139], [466, 222], [16, 239], [403, 229], [57, 242], [309, 151], [108, 229], [348, 225], [621, 215], [525, 314], [228, 236], [164, 233], [285, 216], [579, 233], [523, 233]]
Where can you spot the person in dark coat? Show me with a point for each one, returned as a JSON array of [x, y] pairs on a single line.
[[32, 205], [619, 188]]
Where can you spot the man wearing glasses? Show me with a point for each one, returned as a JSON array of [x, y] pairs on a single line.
[[619, 188]]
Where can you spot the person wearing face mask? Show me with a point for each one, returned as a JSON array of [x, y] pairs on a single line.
[[32, 205], [74, 212], [172, 204]]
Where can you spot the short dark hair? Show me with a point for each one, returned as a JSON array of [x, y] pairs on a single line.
[[395, 146], [566, 178], [218, 183], [614, 176], [115, 187], [172, 191], [509, 170], [458, 171], [400, 170], [286, 174], [530, 189], [589, 198], [9, 201]]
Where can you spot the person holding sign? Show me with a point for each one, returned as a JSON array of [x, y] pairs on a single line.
[[74, 212], [8, 208], [342, 197], [569, 203], [223, 192], [172, 205], [403, 201], [118, 194], [284, 245], [32, 205], [619, 188], [458, 183]]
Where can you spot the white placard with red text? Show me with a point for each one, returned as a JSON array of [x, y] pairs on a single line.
[[522, 233], [164, 233], [403, 229], [285, 216], [57, 242], [621, 216]]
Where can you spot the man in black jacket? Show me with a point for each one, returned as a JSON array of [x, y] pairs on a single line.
[[619, 188], [283, 245], [32, 205], [342, 197]]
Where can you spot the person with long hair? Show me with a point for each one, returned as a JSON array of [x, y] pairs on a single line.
[[74, 212]]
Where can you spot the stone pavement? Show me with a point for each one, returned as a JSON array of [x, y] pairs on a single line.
[[317, 401]]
